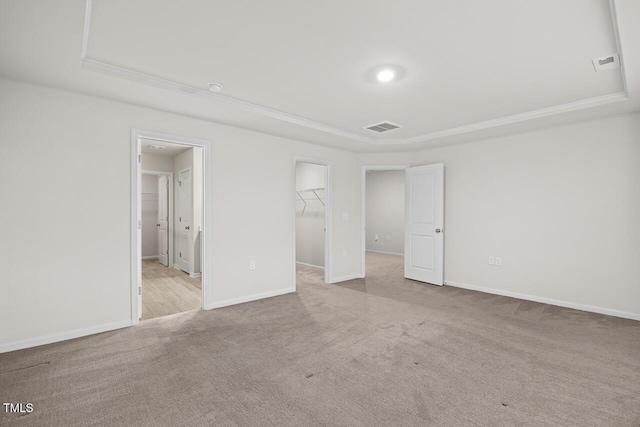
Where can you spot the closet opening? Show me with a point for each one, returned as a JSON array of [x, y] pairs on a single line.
[[312, 207]]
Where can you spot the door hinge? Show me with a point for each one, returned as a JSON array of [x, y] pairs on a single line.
[[139, 159], [180, 219], [139, 290], [139, 224], [180, 254], [167, 251], [179, 183]]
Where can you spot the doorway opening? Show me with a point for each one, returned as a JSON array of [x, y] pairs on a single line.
[[402, 217], [312, 219], [170, 272], [383, 220]]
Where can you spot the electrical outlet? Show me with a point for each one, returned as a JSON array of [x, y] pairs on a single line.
[[344, 252], [498, 260], [376, 237], [252, 265], [491, 261]]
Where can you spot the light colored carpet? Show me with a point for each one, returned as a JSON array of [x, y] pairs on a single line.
[[377, 352]]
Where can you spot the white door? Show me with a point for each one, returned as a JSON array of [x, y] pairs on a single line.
[[185, 212], [163, 220], [424, 220]]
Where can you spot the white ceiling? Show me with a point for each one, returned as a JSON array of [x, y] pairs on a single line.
[[300, 69], [168, 150]]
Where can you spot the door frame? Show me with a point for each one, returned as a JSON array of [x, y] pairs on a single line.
[[136, 214], [363, 229], [171, 201], [328, 215]]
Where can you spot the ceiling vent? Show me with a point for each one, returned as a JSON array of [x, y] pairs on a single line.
[[606, 62], [382, 127]]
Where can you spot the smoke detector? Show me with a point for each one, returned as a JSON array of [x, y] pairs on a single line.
[[214, 87], [382, 127]]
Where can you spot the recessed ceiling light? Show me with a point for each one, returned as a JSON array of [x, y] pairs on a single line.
[[215, 87], [156, 147], [386, 75]]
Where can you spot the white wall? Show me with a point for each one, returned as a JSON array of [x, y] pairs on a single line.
[[82, 145], [156, 162], [149, 208], [560, 206], [310, 224], [385, 211]]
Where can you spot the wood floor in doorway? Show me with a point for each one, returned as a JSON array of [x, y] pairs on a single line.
[[166, 290]]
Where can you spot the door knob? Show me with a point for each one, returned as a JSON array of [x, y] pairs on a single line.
[[187, 228], [438, 230], [157, 225]]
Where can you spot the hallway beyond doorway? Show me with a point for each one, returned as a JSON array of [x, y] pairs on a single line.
[[167, 290]]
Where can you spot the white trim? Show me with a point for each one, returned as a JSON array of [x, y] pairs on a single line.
[[137, 76], [385, 253], [515, 118], [309, 265], [346, 278], [363, 209], [543, 300], [52, 338], [328, 215], [136, 170], [136, 227], [93, 64], [195, 275], [87, 29], [177, 267], [151, 257], [616, 35], [255, 297]]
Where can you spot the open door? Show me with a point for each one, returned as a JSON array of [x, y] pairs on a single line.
[[185, 213], [163, 220], [424, 219]]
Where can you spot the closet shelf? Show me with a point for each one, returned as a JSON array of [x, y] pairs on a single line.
[[315, 193]]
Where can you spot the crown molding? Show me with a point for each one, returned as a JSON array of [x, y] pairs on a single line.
[[145, 78]]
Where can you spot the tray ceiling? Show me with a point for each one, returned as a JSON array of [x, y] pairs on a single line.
[[467, 64]]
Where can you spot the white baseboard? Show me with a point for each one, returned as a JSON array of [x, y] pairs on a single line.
[[51, 338], [177, 267], [575, 306], [195, 275], [385, 253], [254, 297], [309, 265], [151, 257], [345, 278]]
